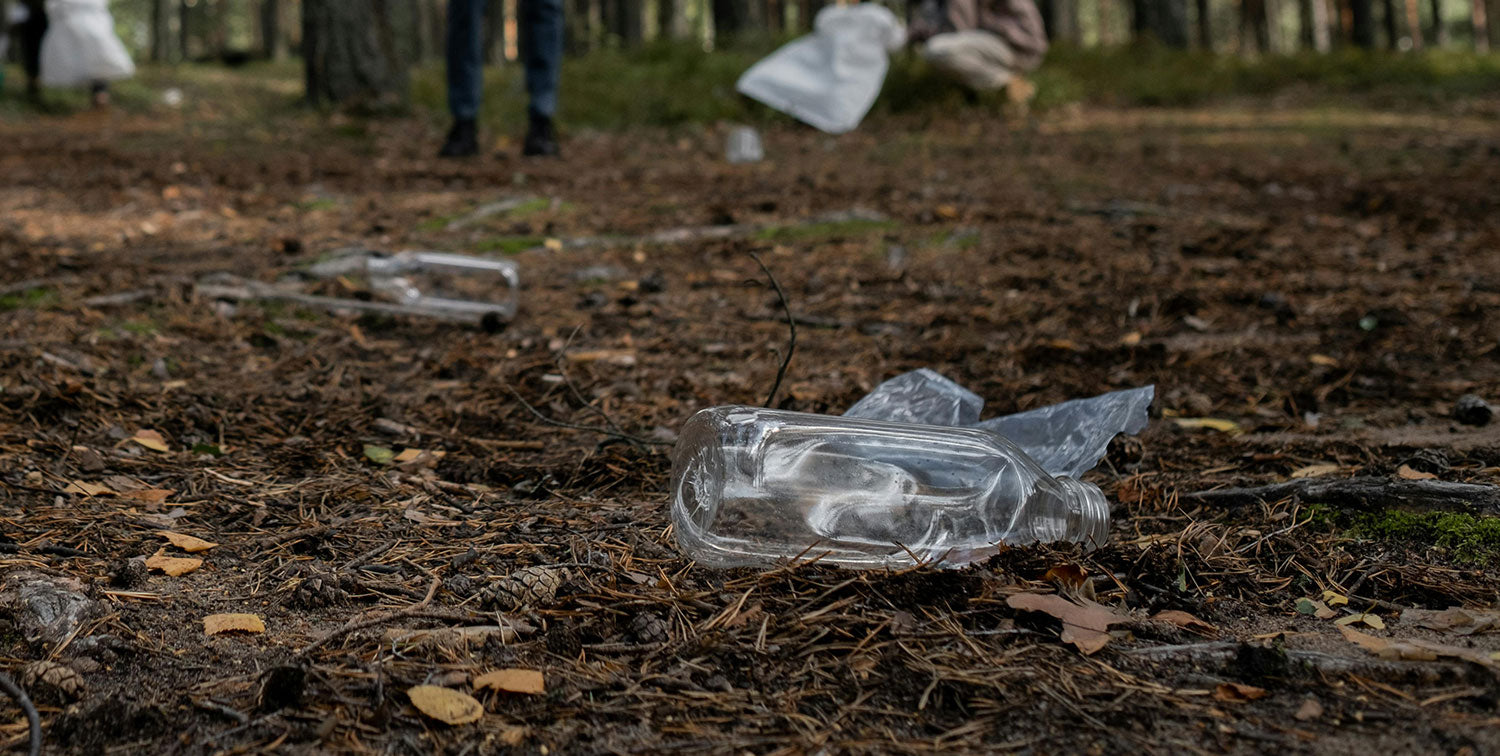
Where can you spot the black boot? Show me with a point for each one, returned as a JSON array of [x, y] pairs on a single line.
[[541, 139], [462, 141]]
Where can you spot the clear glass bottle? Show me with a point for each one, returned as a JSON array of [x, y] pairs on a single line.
[[754, 486]]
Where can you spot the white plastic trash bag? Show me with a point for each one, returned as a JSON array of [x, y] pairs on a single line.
[[81, 46], [830, 78]]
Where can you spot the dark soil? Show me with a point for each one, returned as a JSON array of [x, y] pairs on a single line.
[[1326, 280]]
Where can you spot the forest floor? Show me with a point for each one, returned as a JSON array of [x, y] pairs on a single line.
[[1311, 288]]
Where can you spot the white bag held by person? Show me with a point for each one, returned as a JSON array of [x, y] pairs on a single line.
[[81, 46], [830, 78]]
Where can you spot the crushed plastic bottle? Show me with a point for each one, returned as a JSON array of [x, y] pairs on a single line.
[[744, 146], [440, 284], [755, 486], [1065, 439]]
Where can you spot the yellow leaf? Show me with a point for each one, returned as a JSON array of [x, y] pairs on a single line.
[[174, 566], [190, 544], [1373, 621], [512, 681], [1131, 339], [1333, 599], [445, 704], [555, 245], [1322, 359], [89, 489], [151, 440], [1408, 473], [1212, 423], [1315, 471], [946, 212], [216, 624]]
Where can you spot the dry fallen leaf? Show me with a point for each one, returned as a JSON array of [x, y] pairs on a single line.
[[1369, 619], [1315, 471], [1413, 650], [1238, 692], [1454, 620], [148, 495], [1309, 710], [1335, 599], [1131, 339], [1407, 473], [1322, 359], [174, 566], [512, 681], [1186, 622], [216, 624], [89, 489], [1315, 608], [512, 736], [190, 544], [445, 704], [151, 440], [1067, 575], [1085, 626]]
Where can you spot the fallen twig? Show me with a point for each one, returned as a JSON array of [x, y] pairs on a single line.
[[1367, 492], [33, 720], [589, 428], [356, 624], [1220, 652], [791, 324]]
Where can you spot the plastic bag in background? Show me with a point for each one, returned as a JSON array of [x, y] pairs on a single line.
[[1065, 439], [744, 146], [830, 78], [81, 47]]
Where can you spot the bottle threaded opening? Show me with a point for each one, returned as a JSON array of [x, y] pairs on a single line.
[[1093, 512]]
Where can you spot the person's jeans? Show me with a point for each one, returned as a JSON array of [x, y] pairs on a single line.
[[541, 30]]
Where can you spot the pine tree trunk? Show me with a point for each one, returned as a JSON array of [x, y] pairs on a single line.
[[1388, 22], [272, 41], [1164, 20], [1254, 29], [1481, 27], [184, 14], [729, 21], [579, 24], [1439, 28], [356, 53], [632, 23], [161, 32], [1414, 24], [1205, 26], [1321, 38], [1362, 23], [666, 19]]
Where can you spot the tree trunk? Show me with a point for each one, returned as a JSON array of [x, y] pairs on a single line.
[[161, 32], [632, 22], [184, 14], [1492, 23], [729, 21], [1254, 29], [1414, 23], [1388, 22], [1481, 27], [272, 41], [579, 23], [1165, 20], [1205, 26], [1315, 26], [1362, 23], [666, 19], [356, 53]]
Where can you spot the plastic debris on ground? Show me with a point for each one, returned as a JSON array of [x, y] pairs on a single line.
[[440, 285], [744, 146], [909, 475]]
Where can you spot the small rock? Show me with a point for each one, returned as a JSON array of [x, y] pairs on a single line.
[[130, 573], [44, 607], [1472, 410], [88, 459]]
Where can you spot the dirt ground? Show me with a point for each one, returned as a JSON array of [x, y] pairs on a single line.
[[1323, 277]]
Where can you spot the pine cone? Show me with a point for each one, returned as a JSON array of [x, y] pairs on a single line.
[[525, 588], [61, 680], [649, 628]]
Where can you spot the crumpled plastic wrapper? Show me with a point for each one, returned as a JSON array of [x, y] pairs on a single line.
[[1065, 439]]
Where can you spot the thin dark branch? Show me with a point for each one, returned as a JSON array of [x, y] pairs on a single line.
[[562, 369], [1367, 492], [33, 720], [791, 324], [589, 428]]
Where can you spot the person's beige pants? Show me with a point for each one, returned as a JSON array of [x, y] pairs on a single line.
[[979, 59]]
